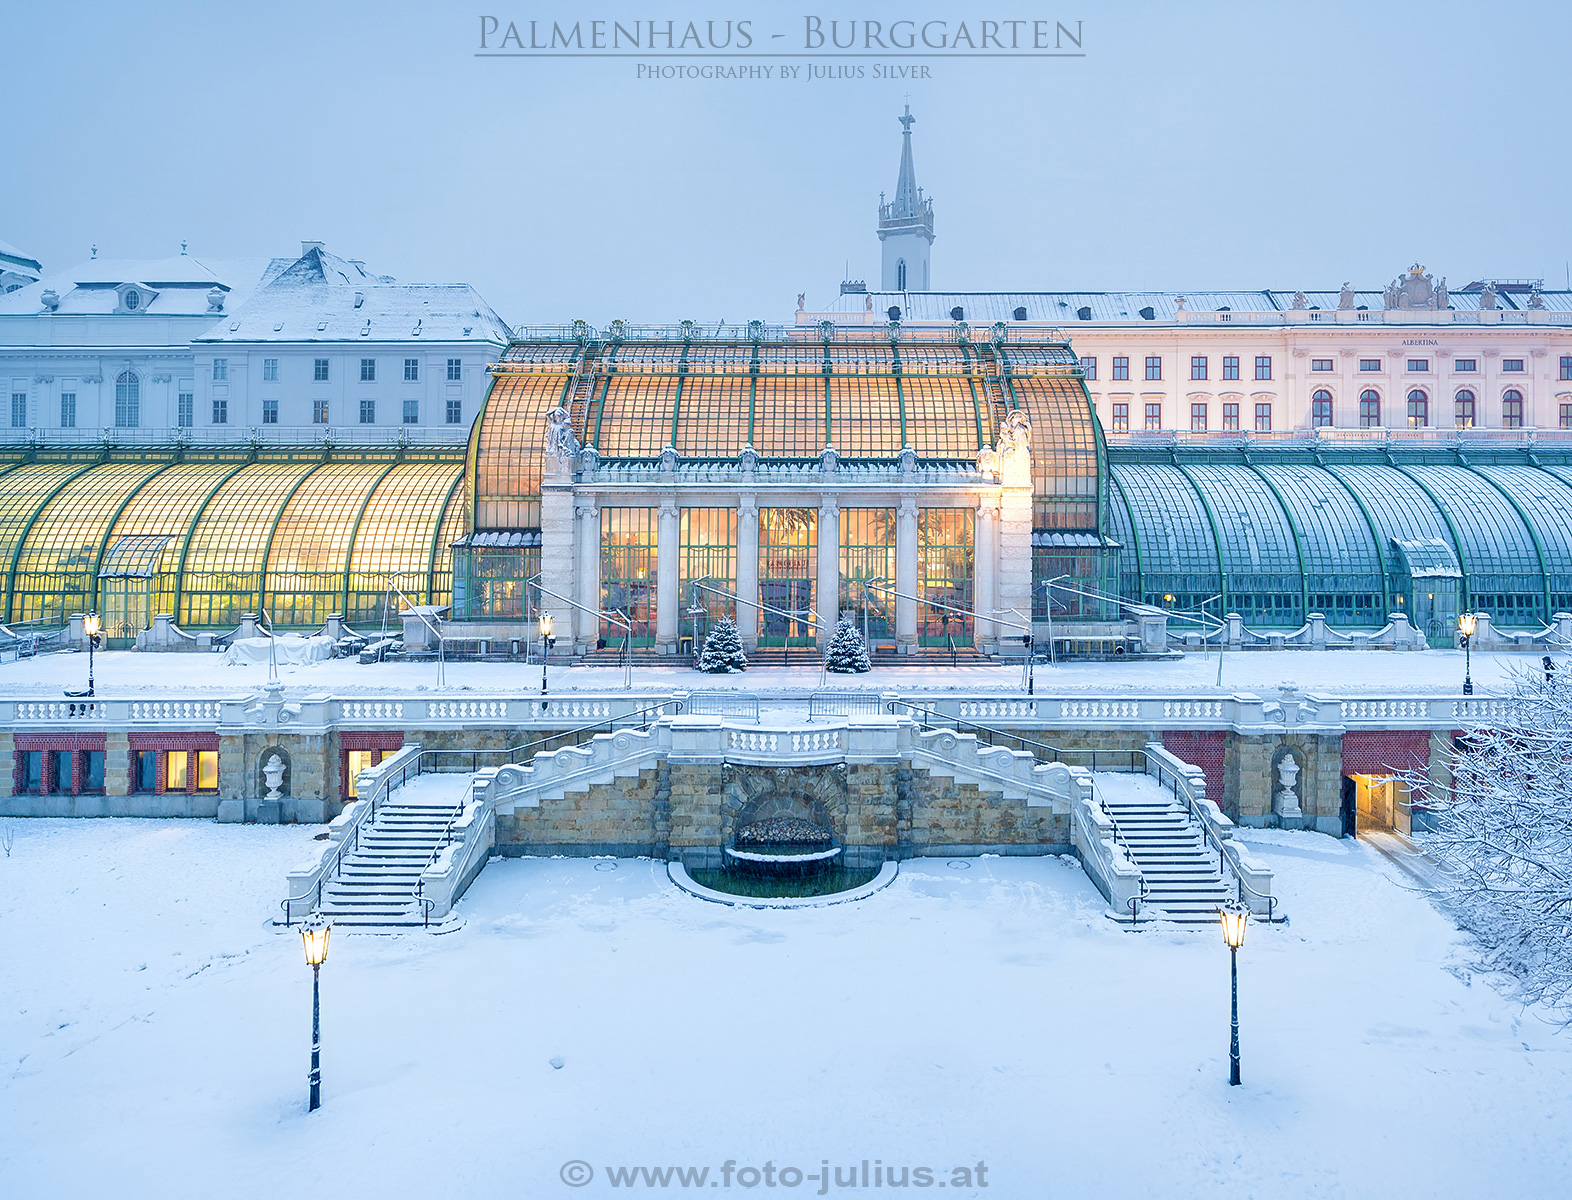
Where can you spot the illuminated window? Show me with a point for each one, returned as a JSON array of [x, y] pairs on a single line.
[[1121, 418], [1198, 418], [1154, 416], [175, 768], [627, 572], [867, 553], [1369, 409], [1418, 409], [1463, 410], [944, 576], [706, 554], [788, 566], [1512, 409], [207, 770], [1320, 409]]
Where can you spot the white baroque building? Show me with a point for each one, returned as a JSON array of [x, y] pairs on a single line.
[[1414, 356], [282, 349]]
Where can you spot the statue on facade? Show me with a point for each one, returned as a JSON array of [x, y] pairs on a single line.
[[1345, 298], [1535, 300], [560, 446], [1300, 300], [1014, 448], [1487, 297], [802, 301], [1442, 297]]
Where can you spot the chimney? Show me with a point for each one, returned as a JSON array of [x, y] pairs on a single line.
[[307, 247]]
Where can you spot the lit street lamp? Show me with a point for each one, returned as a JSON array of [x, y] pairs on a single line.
[[91, 626], [546, 643], [314, 933], [1465, 631], [1234, 916]]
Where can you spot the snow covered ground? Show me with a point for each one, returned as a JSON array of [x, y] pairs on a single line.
[[1343, 672], [155, 1035]]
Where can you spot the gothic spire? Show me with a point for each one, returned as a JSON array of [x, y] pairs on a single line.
[[905, 202]]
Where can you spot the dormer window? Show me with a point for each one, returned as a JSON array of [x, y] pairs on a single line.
[[133, 297]]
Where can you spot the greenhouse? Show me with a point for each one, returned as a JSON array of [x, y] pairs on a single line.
[[639, 484]]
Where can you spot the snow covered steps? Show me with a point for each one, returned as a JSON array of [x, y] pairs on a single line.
[[1184, 880], [376, 887]]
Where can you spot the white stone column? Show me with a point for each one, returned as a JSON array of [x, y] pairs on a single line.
[[828, 585], [906, 573], [557, 553], [748, 570], [984, 554], [1013, 579], [589, 573], [666, 603]]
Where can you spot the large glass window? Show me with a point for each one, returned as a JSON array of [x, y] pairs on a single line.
[[1418, 409], [1512, 409], [1369, 409], [707, 553], [627, 572], [788, 565], [1463, 409], [944, 576], [128, 400], [868, 552], [495, 581], [68, 410], [1320, 409]]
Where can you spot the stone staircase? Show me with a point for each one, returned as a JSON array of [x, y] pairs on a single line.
[[376, 888], [1184, 879]]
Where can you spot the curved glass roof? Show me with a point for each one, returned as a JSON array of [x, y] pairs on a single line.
[[225, 535]]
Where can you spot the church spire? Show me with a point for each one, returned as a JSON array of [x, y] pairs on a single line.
[[906, 224]]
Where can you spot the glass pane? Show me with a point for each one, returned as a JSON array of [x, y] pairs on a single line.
[[627, 573], [868, 553], [944, 576], [207, 770], [175, 770], [788, 566]]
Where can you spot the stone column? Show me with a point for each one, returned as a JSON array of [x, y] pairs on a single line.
[[589, 573], [984, 550], [748, 570], [906, 573], [666, 551], [557, 536], [1013, 577], [828, 585]]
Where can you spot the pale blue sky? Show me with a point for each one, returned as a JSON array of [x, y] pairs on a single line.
[[1195, 146]]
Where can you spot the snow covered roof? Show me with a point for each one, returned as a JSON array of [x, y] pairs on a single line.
[[11, 257], [179, 286], [290, 310]]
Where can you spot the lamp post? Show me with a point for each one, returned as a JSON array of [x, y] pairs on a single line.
[[92, 627], [314, 933], [1465, 631], [546, 643], [1234, 917]]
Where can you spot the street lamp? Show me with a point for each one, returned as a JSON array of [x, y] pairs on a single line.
[[546, 643], [92, 627], [1234, 917], [1465, 629], [314, 933]]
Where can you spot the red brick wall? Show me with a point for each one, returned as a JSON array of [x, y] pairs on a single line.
[[77, 743], [1201, 748], [1385, 752]]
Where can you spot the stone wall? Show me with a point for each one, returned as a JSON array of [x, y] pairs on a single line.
[[616, 818], [946, 817], [1249, 780]]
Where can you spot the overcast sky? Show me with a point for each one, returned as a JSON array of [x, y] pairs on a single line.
[[1194, 146]]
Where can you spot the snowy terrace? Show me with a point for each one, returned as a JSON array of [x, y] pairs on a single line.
[[977, 1010]]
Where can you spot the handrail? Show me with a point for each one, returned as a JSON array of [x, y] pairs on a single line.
[[1054, 753]]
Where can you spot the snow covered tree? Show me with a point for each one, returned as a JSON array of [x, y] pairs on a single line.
[[847, 653], [722, 653], [1503, 835]]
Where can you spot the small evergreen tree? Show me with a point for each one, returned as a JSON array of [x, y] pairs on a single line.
[[722, 653], [847, 653]]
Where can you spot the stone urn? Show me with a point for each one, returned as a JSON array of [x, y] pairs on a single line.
[[1287, 776], [273, 776]]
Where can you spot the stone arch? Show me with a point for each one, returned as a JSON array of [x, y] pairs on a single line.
[[816, 794]]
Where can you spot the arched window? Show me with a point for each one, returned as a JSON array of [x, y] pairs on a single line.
[[1370, 409], [128, 400], [900, 275], [1320, 409], [1463, 410], [1511, 409], [1418, 409]]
